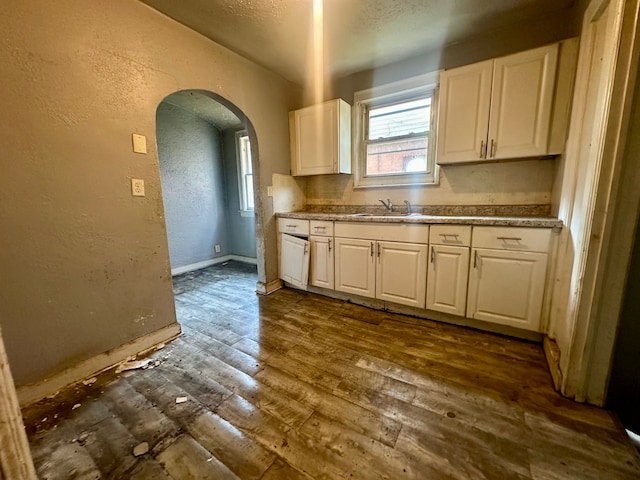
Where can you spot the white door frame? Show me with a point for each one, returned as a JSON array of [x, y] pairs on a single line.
[[15, 456], [608, 206]]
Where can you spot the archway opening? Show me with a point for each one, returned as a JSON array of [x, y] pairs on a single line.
[[209, 170]]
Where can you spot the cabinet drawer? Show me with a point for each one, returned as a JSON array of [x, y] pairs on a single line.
[[393, 232], [459, 235], [512, 238], [293, 226], [322, 228]]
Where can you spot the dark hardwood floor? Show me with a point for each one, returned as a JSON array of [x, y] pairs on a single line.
[[298, 386]]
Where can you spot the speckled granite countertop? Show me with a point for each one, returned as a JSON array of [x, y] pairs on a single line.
[[501, 221]]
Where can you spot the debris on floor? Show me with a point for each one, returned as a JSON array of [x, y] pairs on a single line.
[[90, 381], [181, 399], [77, 405], [133, 365], [140, 449]]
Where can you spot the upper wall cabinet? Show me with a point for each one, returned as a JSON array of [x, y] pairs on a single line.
[[499, 108], [321, 139]]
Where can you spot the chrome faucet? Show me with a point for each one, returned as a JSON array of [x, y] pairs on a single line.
[[388, 205], [409, 212]]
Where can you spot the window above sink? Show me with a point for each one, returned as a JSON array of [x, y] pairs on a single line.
[[394, 133]]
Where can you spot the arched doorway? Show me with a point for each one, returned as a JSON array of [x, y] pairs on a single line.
[[209, 169]]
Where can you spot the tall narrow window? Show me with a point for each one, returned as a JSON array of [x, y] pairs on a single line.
[[245, 173]]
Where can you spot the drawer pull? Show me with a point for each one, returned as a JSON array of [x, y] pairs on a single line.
[[320, 228], [291, 226], [515, 239], [445, 235]]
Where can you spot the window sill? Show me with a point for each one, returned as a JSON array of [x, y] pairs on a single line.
[[247, 213]]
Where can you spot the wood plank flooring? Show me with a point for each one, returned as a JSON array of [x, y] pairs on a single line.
[[299, 386]]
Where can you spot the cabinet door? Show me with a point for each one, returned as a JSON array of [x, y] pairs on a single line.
[[521, 102], [465, 97], [314, 139], [321, 267], [507, 287], [294, 260], [401, 273], [447, 279], [355, 268]]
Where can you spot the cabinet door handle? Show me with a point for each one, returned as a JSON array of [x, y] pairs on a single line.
[[432, 253], [372, 249], [306, 247], [329, 241], [482, 149], [493, 148], [475, 259], [378, 251], [515, 239]]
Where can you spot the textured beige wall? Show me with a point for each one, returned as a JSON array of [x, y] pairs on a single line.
[[525, 182], [84, 265], [522, 182]]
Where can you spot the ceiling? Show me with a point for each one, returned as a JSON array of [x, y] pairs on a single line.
[[357, 35], [204, 107]]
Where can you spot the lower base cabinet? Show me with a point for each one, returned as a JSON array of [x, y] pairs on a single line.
[[355, 266], [401, 273], [507, 287], [390, 271], [447, 279], [321, 262], [294, 260], [492, 274]]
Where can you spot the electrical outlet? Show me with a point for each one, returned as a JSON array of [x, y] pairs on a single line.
[[137, 187], [269, 191], [217, 248]]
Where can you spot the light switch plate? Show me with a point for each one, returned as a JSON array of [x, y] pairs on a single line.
[[137, 187], [269, 191], [139, 143]]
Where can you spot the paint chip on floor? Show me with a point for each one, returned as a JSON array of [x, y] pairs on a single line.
[[140, 449], [181, 399]]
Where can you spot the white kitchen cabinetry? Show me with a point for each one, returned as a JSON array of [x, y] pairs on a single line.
[[321, 266], [401, 273], [294, 251], [355, 266], [507, 275], [448, 270], [387, 262], [498, 108], [320, 137]]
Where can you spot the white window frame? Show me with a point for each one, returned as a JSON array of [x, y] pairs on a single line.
[[403, 90], [242, 148]]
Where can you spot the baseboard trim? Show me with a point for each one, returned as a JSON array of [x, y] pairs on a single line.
[[269, 287], [240, 258], [552, 354], [213, 261], [31, 393]]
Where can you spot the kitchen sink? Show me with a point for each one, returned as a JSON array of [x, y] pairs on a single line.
[[385, 214]]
